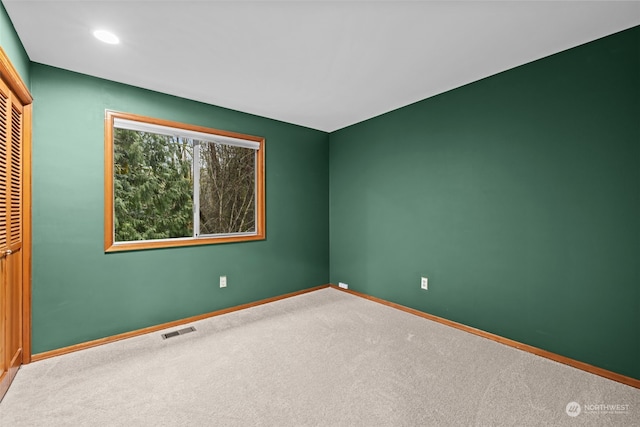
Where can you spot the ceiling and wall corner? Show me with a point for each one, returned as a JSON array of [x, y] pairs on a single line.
[[323, 65], [12, 47]]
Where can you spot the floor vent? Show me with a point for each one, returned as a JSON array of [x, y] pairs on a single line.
[[178, 332]]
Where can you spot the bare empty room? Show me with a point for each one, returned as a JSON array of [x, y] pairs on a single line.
[[319, 213]]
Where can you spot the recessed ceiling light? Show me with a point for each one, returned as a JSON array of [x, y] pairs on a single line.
[[106, 36]]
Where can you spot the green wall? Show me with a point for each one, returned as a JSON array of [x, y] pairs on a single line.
[[80, 293], [12, 46], [517, 195]]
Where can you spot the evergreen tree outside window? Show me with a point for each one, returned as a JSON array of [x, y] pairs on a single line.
[[171, 184]]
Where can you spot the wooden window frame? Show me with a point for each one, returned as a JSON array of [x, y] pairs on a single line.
[[110, 245]]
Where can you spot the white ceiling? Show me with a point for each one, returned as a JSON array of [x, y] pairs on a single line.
[[320, 64]]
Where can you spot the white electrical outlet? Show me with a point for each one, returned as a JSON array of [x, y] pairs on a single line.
[[424, 283], [343, 285], [223, 281]]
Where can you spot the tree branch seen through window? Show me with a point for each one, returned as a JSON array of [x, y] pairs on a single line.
[[174, 184]]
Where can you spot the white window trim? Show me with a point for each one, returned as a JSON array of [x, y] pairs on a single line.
[[183, 133]]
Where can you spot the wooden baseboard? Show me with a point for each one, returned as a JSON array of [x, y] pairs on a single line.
[[506, 341], [155, 328], [502, 340], [5, 382], [8, 375]]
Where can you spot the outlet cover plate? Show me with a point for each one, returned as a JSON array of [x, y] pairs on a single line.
[[223, 281], [343, 285], [424, 283]]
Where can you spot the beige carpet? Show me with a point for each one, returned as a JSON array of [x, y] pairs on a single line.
[[326, 358]]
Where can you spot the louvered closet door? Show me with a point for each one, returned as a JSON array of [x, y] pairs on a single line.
[[10, 236]]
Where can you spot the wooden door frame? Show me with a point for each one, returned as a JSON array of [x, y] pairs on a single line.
[[12, 79]]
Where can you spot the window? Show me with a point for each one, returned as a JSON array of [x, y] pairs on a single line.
[[170, 184]]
